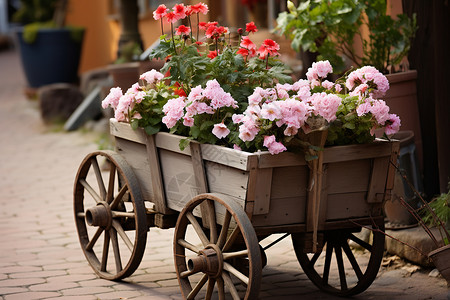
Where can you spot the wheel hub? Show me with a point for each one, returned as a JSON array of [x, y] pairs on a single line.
[[99, 215], [208, 261]]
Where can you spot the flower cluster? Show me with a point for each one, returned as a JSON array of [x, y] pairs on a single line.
[[243, 97]]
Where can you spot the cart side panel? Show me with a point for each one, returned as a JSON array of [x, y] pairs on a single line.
[[180, 184], [136, 156]]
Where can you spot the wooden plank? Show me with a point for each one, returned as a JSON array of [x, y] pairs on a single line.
[[219, 154], [159, 197], [347, 205], [263, 191], [226, 180], [136, 156], [124, 130], [198, 167], [350, 176], [287, 182], [378, 178], [283, 211], [251, 187]]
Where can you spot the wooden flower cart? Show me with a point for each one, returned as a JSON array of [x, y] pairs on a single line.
[[221, 202]]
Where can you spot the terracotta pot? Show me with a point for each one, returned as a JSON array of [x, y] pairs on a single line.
[[124, 75], [402, 100], [441, 259]]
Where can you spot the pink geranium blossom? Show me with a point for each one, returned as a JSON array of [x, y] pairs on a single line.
[[220, 130], [113, 98]]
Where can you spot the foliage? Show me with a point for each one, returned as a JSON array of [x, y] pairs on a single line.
[[441, 207], [30, 31], [32, 11], [243, 97], [330, 27]]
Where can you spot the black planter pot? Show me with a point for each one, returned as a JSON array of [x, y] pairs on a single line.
[[52, 58]]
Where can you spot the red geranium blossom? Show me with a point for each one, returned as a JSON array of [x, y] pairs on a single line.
[[183, 30], [180, 11], [160, 12], [251, 27], [212, 54], [171, 17], [268, 47], [243, 52], [200, 8], [247, 43]]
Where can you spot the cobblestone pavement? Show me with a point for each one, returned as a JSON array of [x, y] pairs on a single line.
[[40, 257]]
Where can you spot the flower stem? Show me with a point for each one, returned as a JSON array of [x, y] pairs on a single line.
[[162, 27], [173, 39], [198, 28]]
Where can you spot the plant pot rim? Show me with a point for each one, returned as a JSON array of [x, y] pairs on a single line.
[[402, 76], [443, 248]]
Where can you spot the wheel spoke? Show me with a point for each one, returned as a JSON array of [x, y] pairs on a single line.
[[212, 221], [232, 270], [98, 174], [94, 239], [224, 232], [340, 263], [229, 283], [119, 197], [198, 287], [220, 288], [188, 245], [187, 273], [112, 177], [326, 267], [90, 190], [115, 244], [314, 259], [123, 214], [105, 252], [198, 229], [123, 235], [232, 238], [210, 289], [360, 242], [236, 254], [352, 259]]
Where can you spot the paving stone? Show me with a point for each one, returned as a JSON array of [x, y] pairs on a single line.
[[31, 295], [21, 282], [86, 291], [12, 290]]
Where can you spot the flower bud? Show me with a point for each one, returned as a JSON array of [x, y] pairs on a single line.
[[291, 6]]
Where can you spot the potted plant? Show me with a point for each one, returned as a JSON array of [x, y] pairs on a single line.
[[49, 50]]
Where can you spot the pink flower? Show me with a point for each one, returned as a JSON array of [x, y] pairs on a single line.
[[269, 140], [151, 76], [393, 124], [319, 69], [160, 12], [380, 111], [363, 108], [220, 130], [174, 111], [182, 30], [370, 76], [188, 121], [237, 118], [270, 111], [236, 147], [326, 105], [113, 98], [272, 145]]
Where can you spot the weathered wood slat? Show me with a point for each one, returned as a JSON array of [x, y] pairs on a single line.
[[377, 186]]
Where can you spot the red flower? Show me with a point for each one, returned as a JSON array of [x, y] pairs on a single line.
[[203, 25], [211, 31], [243, 52], [199, 43], [160, 12], [189, 10], [268, 47], [212, 54], [182, 30], [171, 17], [247, 43], [251, 27], [180, 11], [200, 8]]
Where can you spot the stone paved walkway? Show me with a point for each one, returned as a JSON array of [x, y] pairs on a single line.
[[40, 257]]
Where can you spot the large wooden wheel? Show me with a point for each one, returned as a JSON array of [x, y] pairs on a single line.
[[110, 215], [223, 259], [336, 270]]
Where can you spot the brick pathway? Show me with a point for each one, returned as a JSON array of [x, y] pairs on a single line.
[[40, 257]]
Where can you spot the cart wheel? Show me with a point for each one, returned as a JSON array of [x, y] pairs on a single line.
[[110, 215], [221, 258], [330, 274]]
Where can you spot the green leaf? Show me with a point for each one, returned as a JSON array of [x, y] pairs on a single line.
[[195, 131], [184, 143], [150, 130]]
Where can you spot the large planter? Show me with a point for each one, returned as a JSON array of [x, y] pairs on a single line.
[[402, 100], [126, 74], [52, 58], [441, 259], [273, 189]]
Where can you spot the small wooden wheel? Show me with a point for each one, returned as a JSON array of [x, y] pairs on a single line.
[[111, 214], [330, 275], [223, 252]]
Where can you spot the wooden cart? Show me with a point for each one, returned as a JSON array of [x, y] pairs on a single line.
[[222, 202]]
